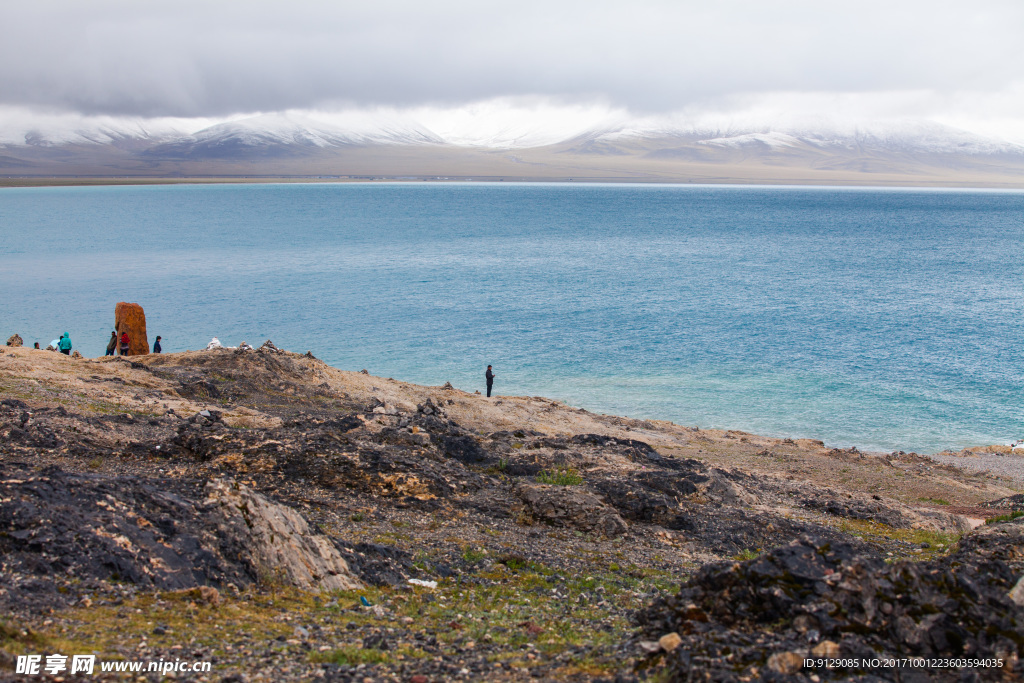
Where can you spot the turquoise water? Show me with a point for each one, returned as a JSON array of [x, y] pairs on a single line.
[[885, 319]]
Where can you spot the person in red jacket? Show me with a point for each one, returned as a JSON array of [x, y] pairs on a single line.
[[125, 344]]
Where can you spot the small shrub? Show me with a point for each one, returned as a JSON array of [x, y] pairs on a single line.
[[524, 518], [498, 469], [241, 422], [473, 555], [513, 562], [519, 564]]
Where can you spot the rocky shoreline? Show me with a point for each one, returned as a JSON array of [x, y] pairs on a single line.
[[283, 506]]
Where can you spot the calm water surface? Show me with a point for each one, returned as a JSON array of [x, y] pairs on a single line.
[[885, 319]]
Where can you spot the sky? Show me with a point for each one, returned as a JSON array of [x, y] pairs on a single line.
[[555, 65]]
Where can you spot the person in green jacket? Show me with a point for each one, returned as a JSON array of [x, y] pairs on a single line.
[[65, 344], [112, 344]]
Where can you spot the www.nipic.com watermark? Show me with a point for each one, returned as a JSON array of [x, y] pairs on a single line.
[[33, 665]]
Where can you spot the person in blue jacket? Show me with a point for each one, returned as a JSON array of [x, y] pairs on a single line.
[[65, 344], [156, 347]]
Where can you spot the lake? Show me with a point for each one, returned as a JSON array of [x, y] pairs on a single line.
[[889, 319]]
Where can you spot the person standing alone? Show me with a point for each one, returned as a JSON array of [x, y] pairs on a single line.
[[489, 376]]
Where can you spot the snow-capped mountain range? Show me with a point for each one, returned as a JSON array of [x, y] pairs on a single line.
[[375, 128], [476, 143]]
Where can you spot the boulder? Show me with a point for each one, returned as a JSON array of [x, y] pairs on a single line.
[[14, 340], [722, 488], [274, 541], [131, 318], [567, 507]]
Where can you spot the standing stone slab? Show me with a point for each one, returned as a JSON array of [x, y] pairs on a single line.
[[131, 318]]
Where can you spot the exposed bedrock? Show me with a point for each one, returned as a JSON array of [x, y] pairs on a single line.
[[165, 535], [816, 597]]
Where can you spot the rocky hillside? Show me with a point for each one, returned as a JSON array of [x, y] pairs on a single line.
[[289, 521]]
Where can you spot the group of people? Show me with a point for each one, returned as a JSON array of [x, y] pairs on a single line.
[[124, 344], [63, 344]]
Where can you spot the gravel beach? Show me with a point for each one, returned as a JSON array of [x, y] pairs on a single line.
[[1010, 467]]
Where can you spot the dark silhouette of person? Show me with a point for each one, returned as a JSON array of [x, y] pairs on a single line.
[[156, 345], [489, 376], [112, 344]]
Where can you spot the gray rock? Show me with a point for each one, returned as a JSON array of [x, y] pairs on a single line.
[[274, 541], [1017, 592], [268, 347], [570, 507], [721, 489]]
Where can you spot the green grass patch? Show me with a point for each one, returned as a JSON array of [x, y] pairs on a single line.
[[1005, 518], [354, 655], [519, 564], [936, 501], [561, 476], [938, 542], [580, 617], [473, 555], [18, 640], [746, 554]]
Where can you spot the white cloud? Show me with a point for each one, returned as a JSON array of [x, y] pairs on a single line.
[[21, 124], [197, 58]]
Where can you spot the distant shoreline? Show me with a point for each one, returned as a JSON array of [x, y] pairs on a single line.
[[103, 181]]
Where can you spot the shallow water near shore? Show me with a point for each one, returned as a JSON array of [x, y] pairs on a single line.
[[885, 319]]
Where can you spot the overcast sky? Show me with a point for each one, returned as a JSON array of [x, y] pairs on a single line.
[[957, 62]]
